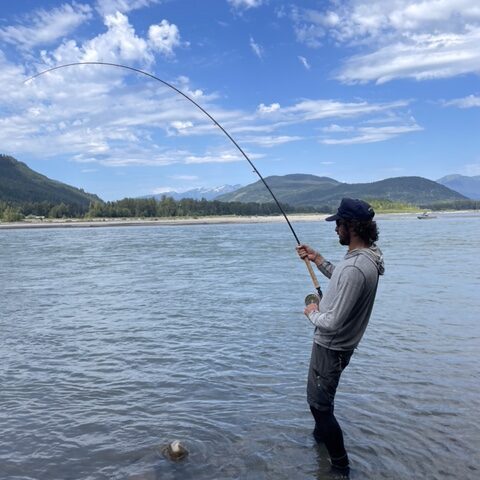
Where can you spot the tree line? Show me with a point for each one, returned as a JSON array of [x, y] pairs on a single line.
[[143, 208], [13, 212], [465, 204], [168, 207], [188, 207]]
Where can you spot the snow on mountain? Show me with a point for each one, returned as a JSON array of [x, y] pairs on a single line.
[[199, 193]]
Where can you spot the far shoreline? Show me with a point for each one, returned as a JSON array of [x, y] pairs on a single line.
[[184, 221], [155, 221]]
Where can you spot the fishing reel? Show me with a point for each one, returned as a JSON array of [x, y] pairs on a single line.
[[312, 298]]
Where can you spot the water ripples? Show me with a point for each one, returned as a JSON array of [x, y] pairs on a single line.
[[117, 341]]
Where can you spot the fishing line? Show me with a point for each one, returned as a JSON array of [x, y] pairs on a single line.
[[169, 85]]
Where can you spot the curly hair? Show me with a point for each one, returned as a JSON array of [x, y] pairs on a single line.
[[367, 230]]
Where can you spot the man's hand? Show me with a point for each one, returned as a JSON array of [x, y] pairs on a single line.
[[304, 251], [312, 307]]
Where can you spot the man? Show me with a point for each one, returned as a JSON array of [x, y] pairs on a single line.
[[341, 317]]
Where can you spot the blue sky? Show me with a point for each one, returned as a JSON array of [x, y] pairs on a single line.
[[357, 90]]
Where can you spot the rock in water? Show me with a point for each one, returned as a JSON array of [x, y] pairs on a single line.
[[175, 451]]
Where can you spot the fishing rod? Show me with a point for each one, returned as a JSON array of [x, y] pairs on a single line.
[[169, 85]]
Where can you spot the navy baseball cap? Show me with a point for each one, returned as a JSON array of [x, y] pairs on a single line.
[[352, 209]]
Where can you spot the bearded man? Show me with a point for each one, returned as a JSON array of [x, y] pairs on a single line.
[[341, 317]]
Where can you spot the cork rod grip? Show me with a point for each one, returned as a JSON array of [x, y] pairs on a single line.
[[312, 273]]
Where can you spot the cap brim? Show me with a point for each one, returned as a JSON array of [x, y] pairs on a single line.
[[332, 218]]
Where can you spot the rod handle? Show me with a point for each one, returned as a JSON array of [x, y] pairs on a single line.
[[312, 273]]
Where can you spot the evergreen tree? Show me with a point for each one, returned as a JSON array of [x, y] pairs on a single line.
[[12, 214]]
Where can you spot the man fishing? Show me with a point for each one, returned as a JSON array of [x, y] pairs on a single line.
[[341, 317]]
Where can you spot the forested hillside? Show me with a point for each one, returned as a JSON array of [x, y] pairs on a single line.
[[20, 184], [323, 192]]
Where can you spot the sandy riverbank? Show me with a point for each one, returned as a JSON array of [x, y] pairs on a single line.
[[129, 222], [215, 220]]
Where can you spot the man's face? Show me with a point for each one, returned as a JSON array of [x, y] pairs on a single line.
[[342, 232]]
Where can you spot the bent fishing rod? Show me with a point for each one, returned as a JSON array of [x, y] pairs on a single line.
[[169, 85]]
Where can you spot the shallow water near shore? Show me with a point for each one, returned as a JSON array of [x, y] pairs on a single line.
[[116, 341]]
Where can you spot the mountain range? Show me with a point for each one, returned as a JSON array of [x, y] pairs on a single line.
[[309, 190], [20, 184], [197, 193], [468, 186]]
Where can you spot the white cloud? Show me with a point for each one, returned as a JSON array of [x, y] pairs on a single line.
[[11, 75], [119, 42], [109, 7], [262, 108], [419, 57], [334, 128], [164, 37], [257, 49], [372, 134], [103, 115], [357, 19], [120, 123], [304, 62], [271, 141], [471, 101], [44, 27], [308, 110], [181, 125], [398, 39], [220, 157], [245, 4], [311, 26]]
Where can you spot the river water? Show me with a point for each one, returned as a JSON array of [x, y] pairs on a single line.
[[115, 341]]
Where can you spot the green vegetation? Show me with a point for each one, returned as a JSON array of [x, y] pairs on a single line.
[[320, 192], [20, 184], [167, 207], [15, 211], [143, 208], [453, 205], [389, 206], [27, 194], [11, 214], [290, 189]]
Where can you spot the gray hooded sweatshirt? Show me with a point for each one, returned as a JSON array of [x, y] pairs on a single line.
[[347, 304]]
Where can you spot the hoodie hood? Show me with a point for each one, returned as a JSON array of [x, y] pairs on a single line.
[[373, 253]]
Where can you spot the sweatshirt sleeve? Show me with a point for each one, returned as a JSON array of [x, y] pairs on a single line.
[[326, 268], [349, 288]]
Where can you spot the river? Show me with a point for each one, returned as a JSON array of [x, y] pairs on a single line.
[[115, 341]]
